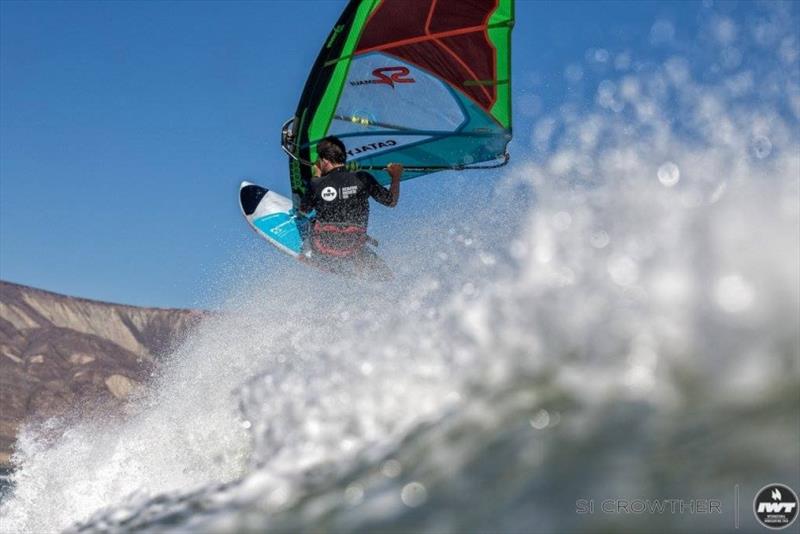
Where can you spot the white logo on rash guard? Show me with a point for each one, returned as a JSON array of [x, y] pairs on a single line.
[[328, 194]]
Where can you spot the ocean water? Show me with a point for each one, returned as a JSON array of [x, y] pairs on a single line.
[[618, 320]]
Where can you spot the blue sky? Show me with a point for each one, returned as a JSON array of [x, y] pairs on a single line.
[[125, 128]]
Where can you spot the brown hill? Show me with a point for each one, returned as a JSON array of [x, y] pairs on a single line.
[[57, 352]]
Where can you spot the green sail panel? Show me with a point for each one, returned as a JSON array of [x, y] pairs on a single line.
[[424, 83]]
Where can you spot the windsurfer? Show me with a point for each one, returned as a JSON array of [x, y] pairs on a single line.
[[341, 200]]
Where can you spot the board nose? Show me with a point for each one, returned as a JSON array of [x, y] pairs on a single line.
[[250, 195]]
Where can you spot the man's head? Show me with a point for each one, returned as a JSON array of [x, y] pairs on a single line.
[[331, 153]]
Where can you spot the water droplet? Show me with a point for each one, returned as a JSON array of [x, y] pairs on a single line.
[[279, 497], [391, 468], [725, 31], [468, 289], [540, 420], [354, 494], [623, 270], [555, 419], [544, 252], [606, 93], [662, 32], [718, 193], [630, 88], [669, 174], [639, 378], [487, 259], [761, 146], [453, 396], [414, 494], [622, 61], [733, 293], [246, 424], [573, 73], [677, 69], [599, 239]]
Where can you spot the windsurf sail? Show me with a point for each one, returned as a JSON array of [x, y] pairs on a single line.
[[425, 83]]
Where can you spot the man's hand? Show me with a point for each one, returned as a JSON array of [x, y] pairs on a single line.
[[316, 172], [395, 170]]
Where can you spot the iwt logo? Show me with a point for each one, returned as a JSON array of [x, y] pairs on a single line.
[[775, 506]]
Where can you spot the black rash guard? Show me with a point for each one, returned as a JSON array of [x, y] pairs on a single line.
[[342, 197]]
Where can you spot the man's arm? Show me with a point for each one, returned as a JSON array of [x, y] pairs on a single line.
[[387, 197], [395, 170], [307, 202]]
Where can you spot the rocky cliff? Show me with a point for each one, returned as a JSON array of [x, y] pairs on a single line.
[[59, 352]]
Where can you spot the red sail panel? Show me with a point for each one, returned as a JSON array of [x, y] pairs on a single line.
[[453, 14], [445, 37]]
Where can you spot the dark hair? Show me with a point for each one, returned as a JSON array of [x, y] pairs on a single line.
[[332, 149]]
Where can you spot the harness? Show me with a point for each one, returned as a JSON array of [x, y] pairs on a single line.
[[337, 239]]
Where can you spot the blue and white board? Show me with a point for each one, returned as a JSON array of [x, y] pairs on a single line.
[[273, 217]]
